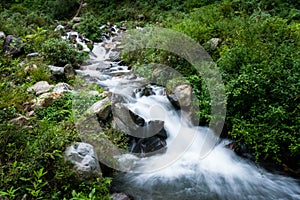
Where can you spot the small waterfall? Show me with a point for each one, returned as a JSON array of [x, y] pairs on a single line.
[[183, 171]]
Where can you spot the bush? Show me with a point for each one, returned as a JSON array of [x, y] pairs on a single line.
[[59, 52], [258, 60], [32, 163], [89, 26]]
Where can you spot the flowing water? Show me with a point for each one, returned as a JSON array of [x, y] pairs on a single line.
[[183, 171]]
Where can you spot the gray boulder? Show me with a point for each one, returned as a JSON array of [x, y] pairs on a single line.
[[56, 70], [181, 96], [101, 108], [62, 87], [40, 87], [134, 125], [12, 46], [85, 160]]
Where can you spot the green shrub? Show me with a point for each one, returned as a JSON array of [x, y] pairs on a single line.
[[59, 111], [258, 59], [89, 26], [32, 163], [59, 52]]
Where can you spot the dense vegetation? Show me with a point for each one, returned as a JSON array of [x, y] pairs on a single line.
[[258, 57]]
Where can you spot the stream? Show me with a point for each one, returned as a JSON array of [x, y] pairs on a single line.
[[179, 172]]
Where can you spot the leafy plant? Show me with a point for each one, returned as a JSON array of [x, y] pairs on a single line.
[[89, 26], [59, 52], [60, 110]]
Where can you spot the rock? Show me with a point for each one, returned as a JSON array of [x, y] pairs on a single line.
[[2, 35], [114, 56], [131, 77], [30, 68], [20, 121], [146, 91], [28, 106], [119, 196], [101, 108], [148, 146], [57, 73], [12, 46], [76, 19], [93, 92], [231, 145], [56, 70], [181, 96], [40, 87], [123, 27], [127, 121], [59, 28], [47, 99], [141, 17], [62, 87], [148, 138], [174, 101], [69, 71], [31, 55], [213, 43], [109, 46], [85, 160]]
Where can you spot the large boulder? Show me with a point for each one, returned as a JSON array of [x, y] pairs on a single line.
[[101, 108], [85, 160], [147, 138], [148, 146], [57, 73], [12, 46], [181, 96], [133, 124], [40, 87]]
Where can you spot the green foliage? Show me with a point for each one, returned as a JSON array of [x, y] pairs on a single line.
[[93, 190], [117, 137], [258, 59], [59, 111], [261, 70], [59, 52], [89, 27], [21, 24], [82, 102], [12, 86], [32, 163]]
